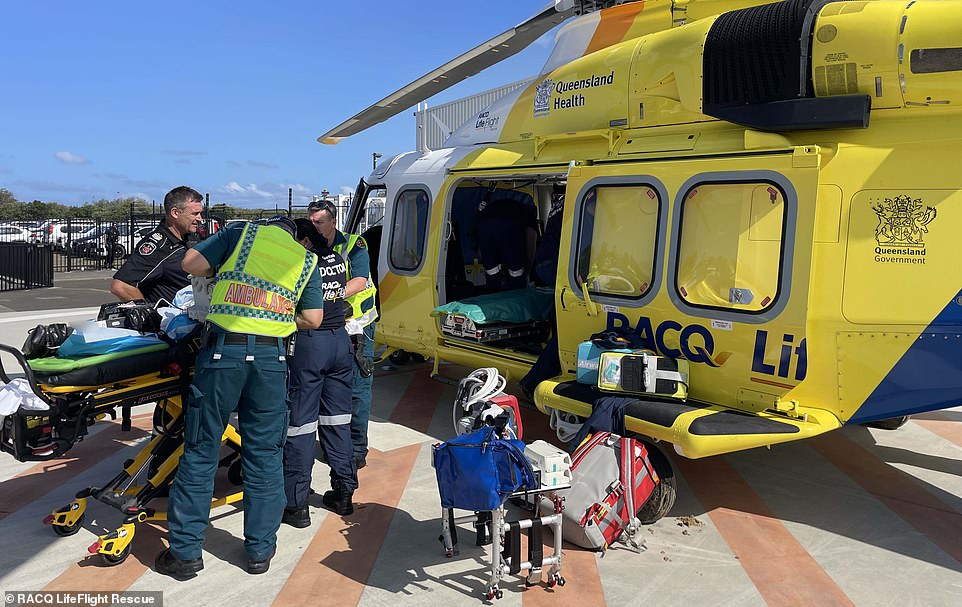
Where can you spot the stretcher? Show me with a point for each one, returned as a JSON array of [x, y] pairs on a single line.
[[81, 392], [497, 317]]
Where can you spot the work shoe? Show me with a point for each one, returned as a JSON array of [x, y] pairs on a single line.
[[297, 517], [338, 500], [257, 567], [167, 564]]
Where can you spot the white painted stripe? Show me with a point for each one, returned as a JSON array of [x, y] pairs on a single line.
[[56, 314]]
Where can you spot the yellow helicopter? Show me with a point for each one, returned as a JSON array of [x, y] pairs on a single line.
[[764, 189]]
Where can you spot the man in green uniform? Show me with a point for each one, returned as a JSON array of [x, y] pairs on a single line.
[[267, 285]]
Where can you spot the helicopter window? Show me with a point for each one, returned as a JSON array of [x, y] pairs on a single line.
[[618, 239], [409, 229], [730, 247]]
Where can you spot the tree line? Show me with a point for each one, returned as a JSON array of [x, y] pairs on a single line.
[[117, 209]]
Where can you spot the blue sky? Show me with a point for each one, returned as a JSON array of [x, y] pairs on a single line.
[[108, 98]]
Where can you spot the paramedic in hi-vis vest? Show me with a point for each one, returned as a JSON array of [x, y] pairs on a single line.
[[266, 287], [362, 314]]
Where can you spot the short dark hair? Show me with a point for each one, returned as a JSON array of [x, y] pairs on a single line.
[[180, 197], [323, 205], [306, 229]]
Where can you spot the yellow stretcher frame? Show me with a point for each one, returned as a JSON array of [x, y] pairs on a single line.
[[144, 477]]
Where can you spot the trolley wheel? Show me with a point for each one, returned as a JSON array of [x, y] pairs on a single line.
[[235, 474], [68, 530], [112, 560], [419, 358], [399, 358]]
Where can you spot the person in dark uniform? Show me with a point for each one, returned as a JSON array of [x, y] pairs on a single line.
[[503, 231], [153, 270], [321, 373], [267, 286], [360, 296], [112, 235], [545, 272]]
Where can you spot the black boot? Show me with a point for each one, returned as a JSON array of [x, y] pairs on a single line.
[[297, 517], [338, 499]]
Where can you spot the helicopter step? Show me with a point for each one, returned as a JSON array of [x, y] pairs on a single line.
[[694, 429]]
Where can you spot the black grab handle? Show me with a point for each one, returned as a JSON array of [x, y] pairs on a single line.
[[27, 371]]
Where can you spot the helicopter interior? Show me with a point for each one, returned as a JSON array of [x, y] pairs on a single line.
[[497, 229]]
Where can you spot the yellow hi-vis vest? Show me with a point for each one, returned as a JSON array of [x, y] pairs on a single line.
[[257, 289], [363, 310]]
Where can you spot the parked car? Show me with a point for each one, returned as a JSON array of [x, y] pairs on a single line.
[[12, 233], [64, 233]]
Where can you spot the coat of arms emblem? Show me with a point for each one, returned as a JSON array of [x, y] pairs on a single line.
[[902, 221]]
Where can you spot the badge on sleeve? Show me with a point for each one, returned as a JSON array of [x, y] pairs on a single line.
[[360, 243], [147, 248]]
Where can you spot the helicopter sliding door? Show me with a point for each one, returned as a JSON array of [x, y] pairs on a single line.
[[704, 259]]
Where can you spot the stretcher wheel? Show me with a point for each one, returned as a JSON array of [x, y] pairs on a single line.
[[68, 530], [234, 473], [555, 579], [113, 560]]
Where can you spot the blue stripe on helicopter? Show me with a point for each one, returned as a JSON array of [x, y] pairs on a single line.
[[927, 377]]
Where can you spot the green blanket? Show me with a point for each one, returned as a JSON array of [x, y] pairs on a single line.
[[51, 365], [519, 305]]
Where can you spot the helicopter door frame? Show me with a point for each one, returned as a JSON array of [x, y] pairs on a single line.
[[358, 202]]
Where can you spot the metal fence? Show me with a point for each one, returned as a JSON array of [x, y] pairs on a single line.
[[34, 251], [25, 266]]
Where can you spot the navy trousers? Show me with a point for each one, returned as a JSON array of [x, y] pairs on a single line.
[[320, 399], [252, 379], [361, 397]]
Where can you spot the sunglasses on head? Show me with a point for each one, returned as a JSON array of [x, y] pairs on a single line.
[[321, 204]]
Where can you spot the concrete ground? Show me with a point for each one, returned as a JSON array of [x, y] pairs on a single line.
[[857, 517], [80, 288]]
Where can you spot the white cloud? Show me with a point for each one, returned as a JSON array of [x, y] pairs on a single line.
[[258, 194], [68, 158], [347, 190]]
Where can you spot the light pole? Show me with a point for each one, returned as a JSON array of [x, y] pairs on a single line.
[[374, 157]]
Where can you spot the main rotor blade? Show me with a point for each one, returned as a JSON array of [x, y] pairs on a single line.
[[470, 63]]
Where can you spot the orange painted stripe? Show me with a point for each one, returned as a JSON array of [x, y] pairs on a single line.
[[614, 25], [90, 574], [420, 400], [900, 492], [579, 567], [336, 565], [940, 425], [35, 482], [387, 284], [781, 569]]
